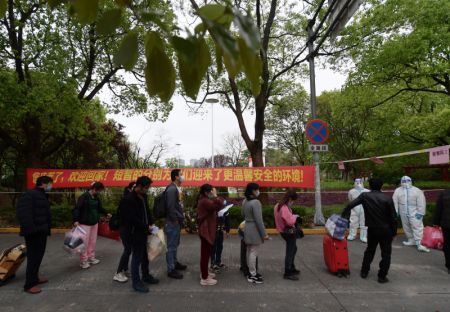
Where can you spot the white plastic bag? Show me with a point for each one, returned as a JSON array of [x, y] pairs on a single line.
[[74, 240], [156, 245]]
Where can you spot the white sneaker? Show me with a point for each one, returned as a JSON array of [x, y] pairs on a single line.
[[93, 261], [210, 275], [364, 240], [127, 274], [350, 237], [208, 282], [120, 277], [85, 265], [409, 243], [422, 248]]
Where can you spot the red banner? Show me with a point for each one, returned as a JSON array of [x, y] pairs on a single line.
[[300, 177]]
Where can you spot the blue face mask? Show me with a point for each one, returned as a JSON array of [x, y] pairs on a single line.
[[48, 188]]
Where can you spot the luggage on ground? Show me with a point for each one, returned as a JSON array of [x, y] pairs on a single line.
[[335, 253], [10, 261], [433, 237], [105, 231]]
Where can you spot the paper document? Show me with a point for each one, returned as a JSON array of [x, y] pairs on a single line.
[[224, 210]]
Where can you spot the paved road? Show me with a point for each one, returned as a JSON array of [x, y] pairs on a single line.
[[419, 282]]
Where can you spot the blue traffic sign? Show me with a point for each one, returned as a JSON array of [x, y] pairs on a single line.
[[317, 131]]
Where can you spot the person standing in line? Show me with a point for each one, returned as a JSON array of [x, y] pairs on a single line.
[[442, 219], [174, 220], [357, 214], [86, 214], [33, 213], [223, 230], [381, 221], [285, 220], [122, 273], [136, 215], [208, 204], [410, 204], [254, 231]]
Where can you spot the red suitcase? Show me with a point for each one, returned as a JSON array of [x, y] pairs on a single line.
[[335, 253]]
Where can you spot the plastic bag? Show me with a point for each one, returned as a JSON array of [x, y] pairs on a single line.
[[336, 226], [74, 240], [433, 237], [156, 245]]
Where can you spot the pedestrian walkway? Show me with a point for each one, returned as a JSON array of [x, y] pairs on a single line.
[[419, 282]]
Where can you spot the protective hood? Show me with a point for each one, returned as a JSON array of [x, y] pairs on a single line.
[[406, 182], [359, 184]]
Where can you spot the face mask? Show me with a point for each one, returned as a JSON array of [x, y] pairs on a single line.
[[257, 193], [406, 182], [181, 178], [48, 188]]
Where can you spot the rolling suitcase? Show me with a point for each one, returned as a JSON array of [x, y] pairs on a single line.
[[335, 253], [10, 261]]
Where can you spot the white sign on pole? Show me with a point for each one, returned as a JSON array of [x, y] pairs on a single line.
[[318, 147]]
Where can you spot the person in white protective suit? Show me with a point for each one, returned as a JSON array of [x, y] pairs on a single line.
[[357, 215], [410, 203]]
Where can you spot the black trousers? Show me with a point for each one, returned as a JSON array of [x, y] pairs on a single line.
[[36, 244], [383, 237], [291, 251], [139, 258], [446, 233], [125, 236], [217, 249]]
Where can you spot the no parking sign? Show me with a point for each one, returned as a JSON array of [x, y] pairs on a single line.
[[317, 131]]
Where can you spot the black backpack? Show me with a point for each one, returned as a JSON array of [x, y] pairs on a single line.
[[159, 207]]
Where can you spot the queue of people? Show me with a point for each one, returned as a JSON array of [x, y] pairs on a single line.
[[378, 211]]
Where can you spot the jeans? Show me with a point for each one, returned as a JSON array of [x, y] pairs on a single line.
[[205, 254], [36, 244], [252, 255], [446, 233], [384, 238], [291, 250], [140, 257], [216, 255], [173, 241], [125, 236]]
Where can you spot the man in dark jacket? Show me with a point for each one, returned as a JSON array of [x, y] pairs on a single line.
[[136, 215], [381, 220], [442, 219], [174, 219], [33, 212]]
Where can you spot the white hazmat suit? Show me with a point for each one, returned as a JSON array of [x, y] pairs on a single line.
[[410, 203], [357, 215]]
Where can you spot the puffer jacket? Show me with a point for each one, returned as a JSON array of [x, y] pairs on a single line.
[[442, 213], [33, 213]]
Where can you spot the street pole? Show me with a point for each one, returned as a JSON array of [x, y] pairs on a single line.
[[318, 216], [212, 135], [178, 154]]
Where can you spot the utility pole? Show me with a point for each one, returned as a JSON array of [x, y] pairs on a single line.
[[318, 216]]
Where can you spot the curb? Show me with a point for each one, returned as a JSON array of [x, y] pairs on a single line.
[[315, 231]]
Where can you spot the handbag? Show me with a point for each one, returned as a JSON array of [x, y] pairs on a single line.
[[294, 230]]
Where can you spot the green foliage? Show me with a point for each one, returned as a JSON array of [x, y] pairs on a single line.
[[3, 7], [109, 21], [127, 54], [85, 10]]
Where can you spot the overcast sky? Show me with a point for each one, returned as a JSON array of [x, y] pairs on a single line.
[[193, 131]]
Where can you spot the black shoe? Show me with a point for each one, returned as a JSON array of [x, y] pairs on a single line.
[[255, 279], [383, 280], [364, 274], [180, 267], [259, 276], [140, 288], [150, 280], [290, 276], [175, 274], [295, 271]]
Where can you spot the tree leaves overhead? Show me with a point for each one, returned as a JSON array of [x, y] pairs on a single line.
[[127, 54], [159, 72], [3, 7], [248, 30], [109, 21], [193, 62], [85, 10], [252, 66]]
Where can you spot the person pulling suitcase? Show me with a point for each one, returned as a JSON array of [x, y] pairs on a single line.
[[381, 221]]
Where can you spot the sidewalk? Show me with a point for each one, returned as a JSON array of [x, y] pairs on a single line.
[[419, 282]]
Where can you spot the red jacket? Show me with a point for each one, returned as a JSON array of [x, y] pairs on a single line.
[[207, 217]]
